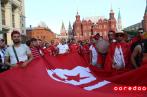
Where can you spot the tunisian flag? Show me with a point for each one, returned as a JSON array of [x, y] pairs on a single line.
[[63, 75]]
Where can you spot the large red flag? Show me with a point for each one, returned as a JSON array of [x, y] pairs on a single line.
[[34, 81], [72, 69], [65, 76]]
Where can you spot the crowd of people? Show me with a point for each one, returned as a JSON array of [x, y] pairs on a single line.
[[116, 53]]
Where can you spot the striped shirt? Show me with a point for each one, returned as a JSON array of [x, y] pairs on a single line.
[[35, 52]]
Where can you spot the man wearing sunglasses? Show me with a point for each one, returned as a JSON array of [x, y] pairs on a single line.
[[118, 57], [139, 53]]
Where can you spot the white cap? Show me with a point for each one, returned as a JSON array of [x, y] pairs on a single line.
[[121, 32]]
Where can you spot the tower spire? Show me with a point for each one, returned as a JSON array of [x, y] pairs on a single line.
[[111, 10], [119, 23], [77, 12], [119, 16], [63, 31], [70, 34], [63, 27]]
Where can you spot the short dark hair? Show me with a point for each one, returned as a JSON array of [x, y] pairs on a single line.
[[28, 42], [111, 31], [97, 34], [2, 40], [33, 39], [15, 32]]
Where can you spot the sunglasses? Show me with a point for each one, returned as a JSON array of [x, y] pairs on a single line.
[[119, 35], [140, 32]]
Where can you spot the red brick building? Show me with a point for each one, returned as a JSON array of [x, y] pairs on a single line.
[[42, 33], [144, 22], [83, 29]]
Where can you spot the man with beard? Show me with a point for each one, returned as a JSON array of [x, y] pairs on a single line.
[[17, 55]]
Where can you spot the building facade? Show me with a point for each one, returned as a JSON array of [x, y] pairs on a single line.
[[12, 17], [83, 29], [42, 33]]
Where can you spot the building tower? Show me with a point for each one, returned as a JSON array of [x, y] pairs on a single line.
[[70, 34], [145, 19], [63, 31], [119, 23], [77, 26], [112, 21]]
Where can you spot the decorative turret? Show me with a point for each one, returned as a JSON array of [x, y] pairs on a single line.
[[111, 14], [112, 21], [77, 26], [77, 16]]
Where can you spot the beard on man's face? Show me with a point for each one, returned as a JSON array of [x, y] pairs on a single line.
[[16, 41]]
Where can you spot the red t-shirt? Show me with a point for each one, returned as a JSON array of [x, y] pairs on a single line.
[[47, 51], [74, 48], [85, 49], [53, 49]]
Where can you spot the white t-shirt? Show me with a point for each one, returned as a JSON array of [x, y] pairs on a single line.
[[94, 54], [119, 58], [63, 48], [21, 51]]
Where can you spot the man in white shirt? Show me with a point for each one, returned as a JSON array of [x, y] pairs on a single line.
[[18, 54], [93, 53], [62, 48]]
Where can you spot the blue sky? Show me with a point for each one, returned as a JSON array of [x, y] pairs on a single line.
[[53, 12]]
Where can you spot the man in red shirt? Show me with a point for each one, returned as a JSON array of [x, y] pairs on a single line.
[[74, 47], [53, 48], [47, 49], [118, 57], [85, 52]]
